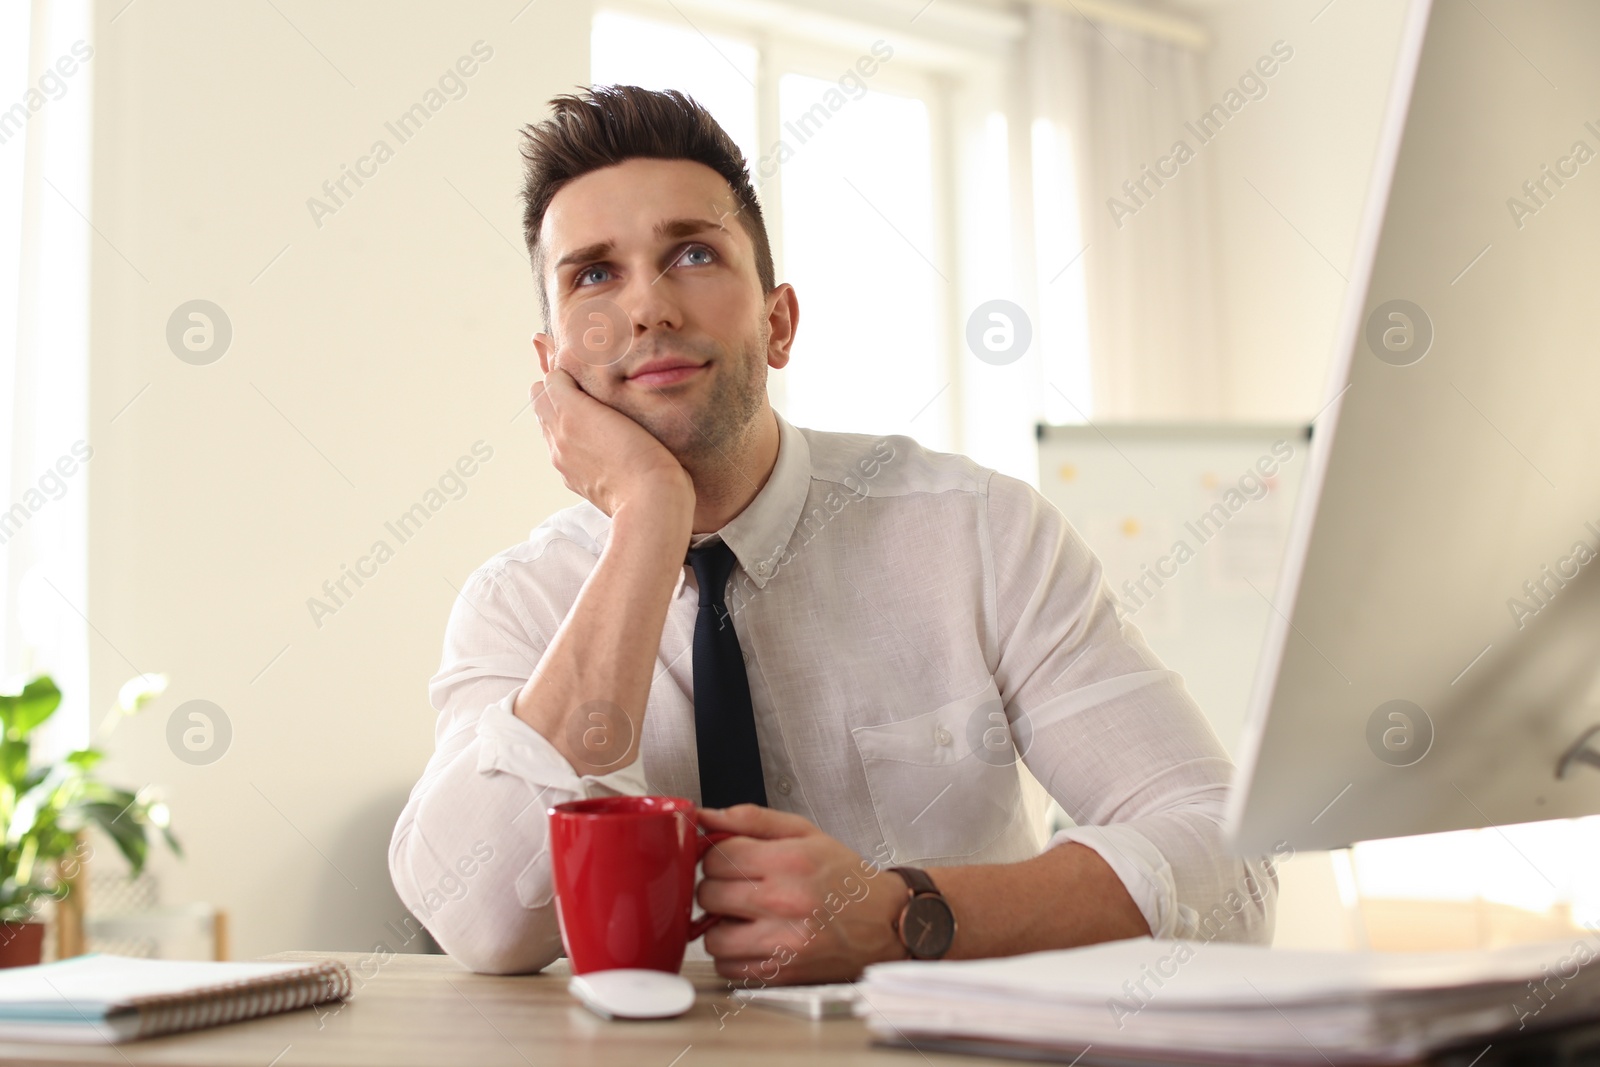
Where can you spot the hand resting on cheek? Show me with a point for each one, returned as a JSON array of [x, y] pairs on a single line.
[[600, 453]]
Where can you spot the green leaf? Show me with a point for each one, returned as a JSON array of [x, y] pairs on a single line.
[[21, 712], [14, 761], [43, 810], [125, 827], [24, 823], [85, 758], [25, 859]]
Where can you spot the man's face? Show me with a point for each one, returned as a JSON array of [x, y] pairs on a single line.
[[655, 304]]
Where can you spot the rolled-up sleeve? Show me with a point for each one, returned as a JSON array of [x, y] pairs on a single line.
[[470, 855], [1112, 735]]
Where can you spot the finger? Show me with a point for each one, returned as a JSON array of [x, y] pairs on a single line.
[[774, 971], [559, 382], [560, 387], [753, 820], [737, 857], [759, 973], [737, 898], [762, 971], [779, 859], [539, 395], [765, 899], [749, 941]]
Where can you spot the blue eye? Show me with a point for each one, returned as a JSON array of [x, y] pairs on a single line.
[[579, 280], [699, 250]]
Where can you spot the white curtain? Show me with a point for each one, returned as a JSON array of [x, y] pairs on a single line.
[[1107, 102], [45, 97]]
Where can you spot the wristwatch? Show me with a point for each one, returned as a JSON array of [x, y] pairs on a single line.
[[925, 926]]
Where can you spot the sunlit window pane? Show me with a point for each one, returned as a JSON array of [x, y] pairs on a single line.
[[999, 402], [718, 71], [1533, 866], [859, 245], [1063, 310]]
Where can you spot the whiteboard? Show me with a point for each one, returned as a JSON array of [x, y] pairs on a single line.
[[1189, 521]]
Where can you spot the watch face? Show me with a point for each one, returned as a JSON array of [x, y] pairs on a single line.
[[928, 927]]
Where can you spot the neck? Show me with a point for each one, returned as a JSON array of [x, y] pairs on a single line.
[[726, 479]]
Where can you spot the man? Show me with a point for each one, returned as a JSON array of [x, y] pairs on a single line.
[[846, 647]]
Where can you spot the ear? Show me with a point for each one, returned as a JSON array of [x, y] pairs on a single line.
[[545, 346], [783, 319]]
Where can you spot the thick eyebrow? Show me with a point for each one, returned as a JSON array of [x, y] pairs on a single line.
[[666, 230], [586, 254], [680, 228]]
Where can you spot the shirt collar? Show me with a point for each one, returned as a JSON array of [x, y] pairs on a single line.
[[760, 533]]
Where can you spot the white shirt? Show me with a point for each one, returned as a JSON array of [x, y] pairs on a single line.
[[890, 602]]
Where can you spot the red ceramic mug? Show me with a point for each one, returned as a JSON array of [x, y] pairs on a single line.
[[624, 880]]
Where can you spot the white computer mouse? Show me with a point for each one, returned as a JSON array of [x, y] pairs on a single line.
[[633, 994]]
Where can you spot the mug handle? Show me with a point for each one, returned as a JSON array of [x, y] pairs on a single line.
[[698, 927]]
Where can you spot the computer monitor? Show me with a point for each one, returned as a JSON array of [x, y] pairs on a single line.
[[1433, 655]]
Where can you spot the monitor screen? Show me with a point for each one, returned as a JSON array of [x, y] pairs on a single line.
[[1434, 651]]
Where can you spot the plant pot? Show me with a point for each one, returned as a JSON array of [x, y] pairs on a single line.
[[21, 944]]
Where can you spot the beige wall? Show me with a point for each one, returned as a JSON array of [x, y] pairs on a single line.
[[365, 360], [1308, 149]]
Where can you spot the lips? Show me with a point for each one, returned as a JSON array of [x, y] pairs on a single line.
[[666, 371]]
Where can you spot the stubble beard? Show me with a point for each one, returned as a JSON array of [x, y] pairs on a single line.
[[708, 433]]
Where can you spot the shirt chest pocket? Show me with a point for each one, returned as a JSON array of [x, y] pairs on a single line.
[[940, 787]]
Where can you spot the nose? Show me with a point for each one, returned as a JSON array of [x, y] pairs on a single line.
[[651, 302]]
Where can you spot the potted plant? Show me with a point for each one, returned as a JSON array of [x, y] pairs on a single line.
[[46, 809]]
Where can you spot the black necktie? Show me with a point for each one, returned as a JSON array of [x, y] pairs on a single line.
[[724, 721]]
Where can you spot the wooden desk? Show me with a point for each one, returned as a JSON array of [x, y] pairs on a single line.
[[425, 1010]]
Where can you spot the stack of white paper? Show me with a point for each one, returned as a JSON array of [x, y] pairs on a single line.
[[1181, 1001]]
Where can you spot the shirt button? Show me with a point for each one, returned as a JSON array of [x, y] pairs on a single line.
[[764, 569], [942, 736], [785, 786]]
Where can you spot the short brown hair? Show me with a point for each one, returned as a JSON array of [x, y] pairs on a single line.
[[608, 124]]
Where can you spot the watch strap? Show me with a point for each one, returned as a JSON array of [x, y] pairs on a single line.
[[917, 880]]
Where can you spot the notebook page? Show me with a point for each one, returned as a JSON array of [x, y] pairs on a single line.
[[92, 985]]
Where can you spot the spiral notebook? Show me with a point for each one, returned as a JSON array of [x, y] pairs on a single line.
[[99, 999]]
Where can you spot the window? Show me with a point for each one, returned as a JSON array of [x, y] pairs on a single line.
[[1543, 868], [847, 142], [44, 345], [717, 70], [858, 244], [1063, 305]]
